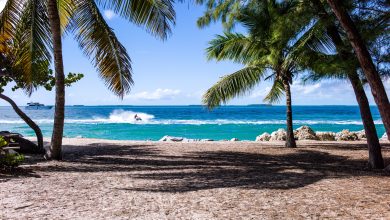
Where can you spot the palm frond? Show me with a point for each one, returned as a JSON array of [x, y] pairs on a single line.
[[32, 42], [276, 92], [233, 85], [98, 41], [156, 15]]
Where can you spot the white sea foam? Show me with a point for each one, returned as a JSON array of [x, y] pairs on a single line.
[[127, 117]]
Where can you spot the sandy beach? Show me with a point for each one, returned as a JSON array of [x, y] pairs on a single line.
[[102, 179]]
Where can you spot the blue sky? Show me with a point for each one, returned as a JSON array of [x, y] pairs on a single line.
[[173, 72]]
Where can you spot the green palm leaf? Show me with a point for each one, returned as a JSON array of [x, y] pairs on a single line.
[[98, 41], [157, 15], [233, 85]]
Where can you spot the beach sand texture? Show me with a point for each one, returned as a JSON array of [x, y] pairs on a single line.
[[101, 179]]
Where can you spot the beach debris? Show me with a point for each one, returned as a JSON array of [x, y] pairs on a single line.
[[346, 135], [263, 137], [234, 139], [279, 135], [326, 136], [305, 133]]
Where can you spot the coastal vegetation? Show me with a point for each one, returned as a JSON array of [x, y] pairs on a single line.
[[284, 41], [47, 21], [317, 48]]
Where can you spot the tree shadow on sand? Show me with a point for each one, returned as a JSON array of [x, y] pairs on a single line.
[[201, 170]]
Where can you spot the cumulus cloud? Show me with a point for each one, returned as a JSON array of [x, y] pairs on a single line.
[[109, 14], [158, 94]]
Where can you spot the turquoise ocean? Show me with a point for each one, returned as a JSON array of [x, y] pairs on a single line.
[[242, 122]]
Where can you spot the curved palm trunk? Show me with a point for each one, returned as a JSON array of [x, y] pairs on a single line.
[[375, 158], [374, 149], [28, 121], [290, 140], [364, 57], [59, 114]]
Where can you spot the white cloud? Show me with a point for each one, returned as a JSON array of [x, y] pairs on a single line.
[[109, 14], [306, 89], [261, 93], [158, 94], [2, 4]]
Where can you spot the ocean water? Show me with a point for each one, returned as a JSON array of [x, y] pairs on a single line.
[[242, 122]]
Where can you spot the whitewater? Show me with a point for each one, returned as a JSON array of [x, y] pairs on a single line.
[[244, 122]]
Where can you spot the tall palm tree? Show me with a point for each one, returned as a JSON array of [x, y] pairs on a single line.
[[347, 62], [46, 21], [365, 60], [260, 52]]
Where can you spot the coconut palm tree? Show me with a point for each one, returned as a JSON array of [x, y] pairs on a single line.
[[44, 23], [261, 52], [344, 65], [364, 57]]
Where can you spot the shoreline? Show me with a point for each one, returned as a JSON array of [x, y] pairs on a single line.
[[75, 141]]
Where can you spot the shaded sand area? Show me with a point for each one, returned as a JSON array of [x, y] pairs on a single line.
[[218, 180]]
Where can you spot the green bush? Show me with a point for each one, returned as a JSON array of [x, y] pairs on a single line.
[[7, 159]]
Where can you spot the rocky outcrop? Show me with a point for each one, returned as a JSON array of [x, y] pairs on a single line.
[[346, 135], [326, 136], [263, 137], [279, 135], [361, 135], [234, 139], [171, 139], [305, 133]]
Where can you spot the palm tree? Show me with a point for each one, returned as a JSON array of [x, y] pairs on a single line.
[[365, 60], [348, 70], [46, 21], [260, 51]]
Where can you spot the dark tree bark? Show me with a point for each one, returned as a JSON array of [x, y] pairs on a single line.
[[375, 159], [365, 60], [375, 156], [55, 151], [29, 122], [290, 140]]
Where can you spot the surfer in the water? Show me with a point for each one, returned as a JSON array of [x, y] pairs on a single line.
[[137, 118]]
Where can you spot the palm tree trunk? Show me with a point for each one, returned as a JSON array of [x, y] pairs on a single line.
[[28, 121], [290, 140], [375, 159], [59, 114], [375, 156], [364, 57]]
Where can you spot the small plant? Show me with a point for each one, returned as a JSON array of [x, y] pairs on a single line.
[[9, 159]]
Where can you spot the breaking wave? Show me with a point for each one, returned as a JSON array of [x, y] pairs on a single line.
[[127, 117]]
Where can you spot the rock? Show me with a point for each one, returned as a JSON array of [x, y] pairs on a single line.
[[361, 134], [263, 137], [305, 133], [326, 136], [384, 137], [234, 139], [206, 140], [171, 139], [279, 135], [346, 135]]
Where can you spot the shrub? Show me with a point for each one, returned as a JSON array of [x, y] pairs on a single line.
[[9, 159]]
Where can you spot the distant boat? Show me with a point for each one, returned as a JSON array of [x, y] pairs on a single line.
[[37, 106]]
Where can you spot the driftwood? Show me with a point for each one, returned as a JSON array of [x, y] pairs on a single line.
[[24, 146]]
